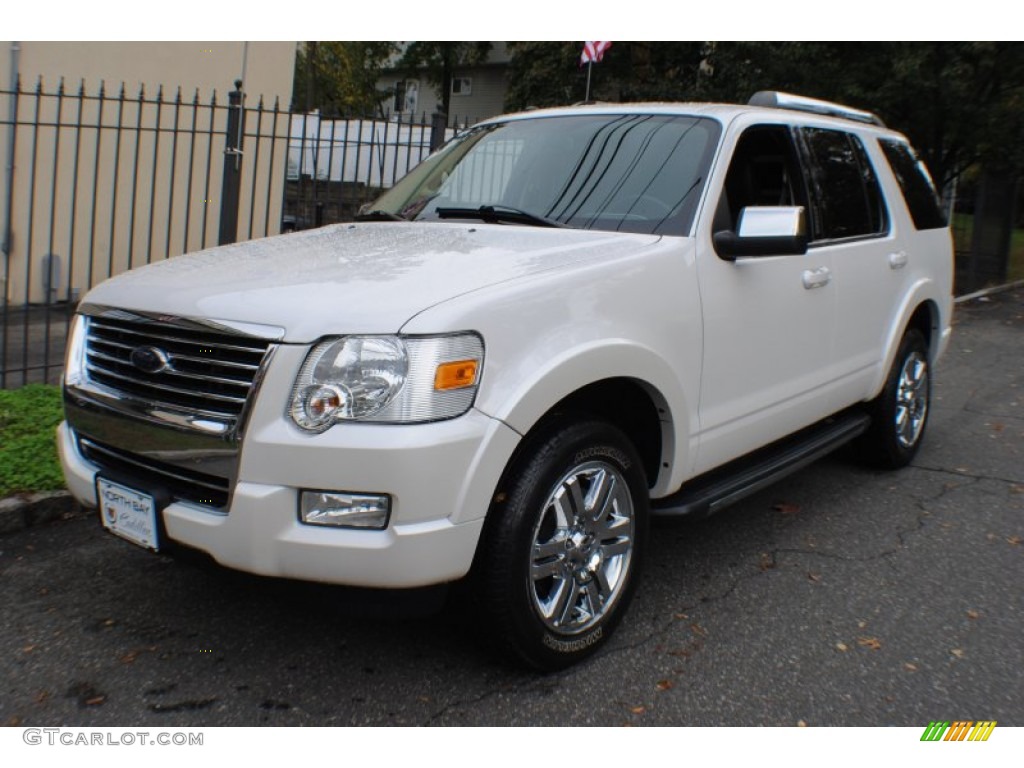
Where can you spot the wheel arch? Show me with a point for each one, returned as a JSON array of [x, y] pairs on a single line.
[[632, 406], [921, 312], [626, 385]]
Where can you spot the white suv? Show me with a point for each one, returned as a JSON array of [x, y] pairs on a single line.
[[562, 321]]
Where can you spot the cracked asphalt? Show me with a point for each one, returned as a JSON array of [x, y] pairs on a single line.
[[840, 596]]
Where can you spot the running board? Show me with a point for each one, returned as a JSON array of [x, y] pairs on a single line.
[[738, 479]]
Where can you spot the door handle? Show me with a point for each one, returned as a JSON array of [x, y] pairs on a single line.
[[898, 260], [816, 278]]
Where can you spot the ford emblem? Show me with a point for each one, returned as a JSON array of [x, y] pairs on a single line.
[[150, 359]]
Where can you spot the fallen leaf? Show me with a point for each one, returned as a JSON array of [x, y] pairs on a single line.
[[1017, 489], [108, 622], [910, 667], [958, 652], [801, 723], [842, 647], [95, 701], [861, 624], [767, 561], [680, 616], [786, 508], [42, 696], [997, 427], [973, 614], [869, 642], [664, 685], [129, 657], [813, 576], [1015, 540], [14, 721], [699, 630], [638, 710], [29, 648]]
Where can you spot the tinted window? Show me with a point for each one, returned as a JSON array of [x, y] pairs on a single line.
[[628, 173], [916, 184], [848, 201]]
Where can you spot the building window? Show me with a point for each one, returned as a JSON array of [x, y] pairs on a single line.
[[462, 86], [406, 95]]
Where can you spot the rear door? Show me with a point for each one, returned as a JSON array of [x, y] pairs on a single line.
[[852, 224]]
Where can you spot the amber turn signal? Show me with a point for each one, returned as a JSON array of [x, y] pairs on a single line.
[[461, 373]]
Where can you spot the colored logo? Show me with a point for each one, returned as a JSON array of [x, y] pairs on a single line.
[[959, 730]]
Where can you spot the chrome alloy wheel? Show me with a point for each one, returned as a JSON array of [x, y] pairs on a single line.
[[581, 548], [911, 399]]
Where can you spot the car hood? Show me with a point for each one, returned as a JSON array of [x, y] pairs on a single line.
[[352, 278]]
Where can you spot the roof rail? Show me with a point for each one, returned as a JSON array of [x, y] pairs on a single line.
[[781, 100]]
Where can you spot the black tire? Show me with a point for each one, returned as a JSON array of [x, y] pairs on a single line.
[[563, 543], [899, 414]]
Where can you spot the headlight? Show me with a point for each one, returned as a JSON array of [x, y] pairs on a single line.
[[387, 379], [74, 358]]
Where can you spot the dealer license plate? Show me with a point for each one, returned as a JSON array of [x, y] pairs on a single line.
[[128, 513]]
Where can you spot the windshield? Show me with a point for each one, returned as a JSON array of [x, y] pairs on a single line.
[[620, 173]]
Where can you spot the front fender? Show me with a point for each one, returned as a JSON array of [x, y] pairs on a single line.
[[538, 389]]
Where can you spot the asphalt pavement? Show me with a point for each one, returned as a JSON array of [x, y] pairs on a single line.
[[840, 596]]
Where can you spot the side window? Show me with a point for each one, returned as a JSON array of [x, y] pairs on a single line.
[[915, 183], [763, 171], [848, 201]]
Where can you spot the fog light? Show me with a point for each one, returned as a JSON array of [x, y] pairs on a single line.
[[345, 510]]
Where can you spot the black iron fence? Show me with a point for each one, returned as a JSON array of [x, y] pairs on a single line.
[[98, 182]]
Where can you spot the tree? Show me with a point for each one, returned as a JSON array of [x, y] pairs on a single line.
[[543, 74], [959, 103], [339, 77], [439, 60]]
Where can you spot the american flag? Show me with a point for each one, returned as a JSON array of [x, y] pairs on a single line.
[[593, 51]]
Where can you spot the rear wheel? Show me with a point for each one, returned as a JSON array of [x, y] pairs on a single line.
[[563, 545], [900, 413]]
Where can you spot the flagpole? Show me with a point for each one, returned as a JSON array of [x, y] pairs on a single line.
[[590, 66]]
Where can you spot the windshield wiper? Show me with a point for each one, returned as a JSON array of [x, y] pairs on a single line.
[[495, 214], [378, 215]]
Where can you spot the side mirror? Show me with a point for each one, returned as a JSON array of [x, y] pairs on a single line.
[[764, 231]]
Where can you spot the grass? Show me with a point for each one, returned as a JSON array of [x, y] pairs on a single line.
[[28, 450]]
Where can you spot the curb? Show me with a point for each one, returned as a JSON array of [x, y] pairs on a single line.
[[30, 509], [989, 291]]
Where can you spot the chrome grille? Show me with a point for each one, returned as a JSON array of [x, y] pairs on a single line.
[[203, 372]]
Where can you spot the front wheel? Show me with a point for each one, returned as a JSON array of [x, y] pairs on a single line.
[[900, 413], [563, 543]]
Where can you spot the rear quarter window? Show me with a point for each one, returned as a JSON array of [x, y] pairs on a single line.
[[915, 183]]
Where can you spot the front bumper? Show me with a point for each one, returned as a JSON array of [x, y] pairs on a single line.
[[440, 478]]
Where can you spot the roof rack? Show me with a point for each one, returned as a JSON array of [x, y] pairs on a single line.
[[782, 100]]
